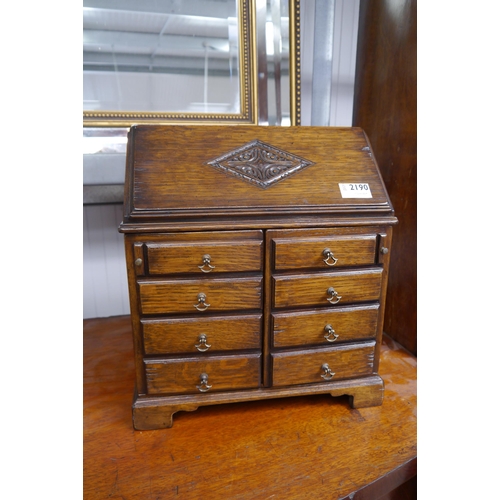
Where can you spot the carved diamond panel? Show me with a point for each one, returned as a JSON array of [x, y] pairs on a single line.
[[260, 164]]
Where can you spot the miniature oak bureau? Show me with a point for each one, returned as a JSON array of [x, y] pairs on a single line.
[[257, 263]]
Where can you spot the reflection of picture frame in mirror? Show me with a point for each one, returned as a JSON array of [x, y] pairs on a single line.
[[118, 82]]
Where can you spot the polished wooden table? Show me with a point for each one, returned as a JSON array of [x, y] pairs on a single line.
[[290, 448]]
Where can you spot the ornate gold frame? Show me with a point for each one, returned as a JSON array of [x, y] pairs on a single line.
[[248, 83], [294, 10]]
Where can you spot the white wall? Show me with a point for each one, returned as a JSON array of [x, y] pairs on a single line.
[[105, 291]]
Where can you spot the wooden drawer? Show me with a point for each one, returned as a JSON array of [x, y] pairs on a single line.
[[184, 335], [307, 367], [184, 376], [204, 257], [315, 289], [324, 253], [324, 326], [198, 296]]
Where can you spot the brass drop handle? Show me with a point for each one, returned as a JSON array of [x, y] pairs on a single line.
[[327, 372], [204, 387], [206, 267], [331, 336], [334, 297], [329, 259], [202, 346], [202, 305]]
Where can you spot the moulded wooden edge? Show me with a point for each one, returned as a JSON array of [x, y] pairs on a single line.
[[157, 412], [269, 222], [388, 482], [245, 211]]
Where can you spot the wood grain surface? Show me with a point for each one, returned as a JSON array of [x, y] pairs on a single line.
[[171, 175], [188, 257], [302, 253], [385, 106], [293, 448], [183, 375], [305, 367], [181, 296], [311, 289], [308, 327], [176, 335]]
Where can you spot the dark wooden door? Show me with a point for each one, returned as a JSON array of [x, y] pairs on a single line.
[[385, 106]]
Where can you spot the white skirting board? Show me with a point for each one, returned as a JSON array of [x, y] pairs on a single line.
[[105, 291]]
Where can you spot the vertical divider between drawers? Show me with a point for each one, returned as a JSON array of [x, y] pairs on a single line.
[[133, 249], [267, 297]]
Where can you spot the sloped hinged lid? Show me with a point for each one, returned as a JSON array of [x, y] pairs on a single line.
[[180, 172]]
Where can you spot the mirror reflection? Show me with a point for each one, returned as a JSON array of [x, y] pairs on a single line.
[[278, 61], [161, 56]]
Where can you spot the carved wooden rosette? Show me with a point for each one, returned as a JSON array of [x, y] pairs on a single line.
[[260, 164]]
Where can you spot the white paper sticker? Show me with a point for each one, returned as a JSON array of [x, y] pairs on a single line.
[[355, 190]]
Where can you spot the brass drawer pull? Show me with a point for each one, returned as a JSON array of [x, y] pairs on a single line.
[[202, 346], [334, 296], [328, 374], [206, 263], [204, 387], [202, 305], [331, 336], [329, 259]]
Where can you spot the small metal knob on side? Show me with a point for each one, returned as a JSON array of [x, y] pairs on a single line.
[[384, 250], [138, 262]]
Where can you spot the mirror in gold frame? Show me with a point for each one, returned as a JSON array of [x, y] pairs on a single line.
[[176, 62], [169, 61]]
